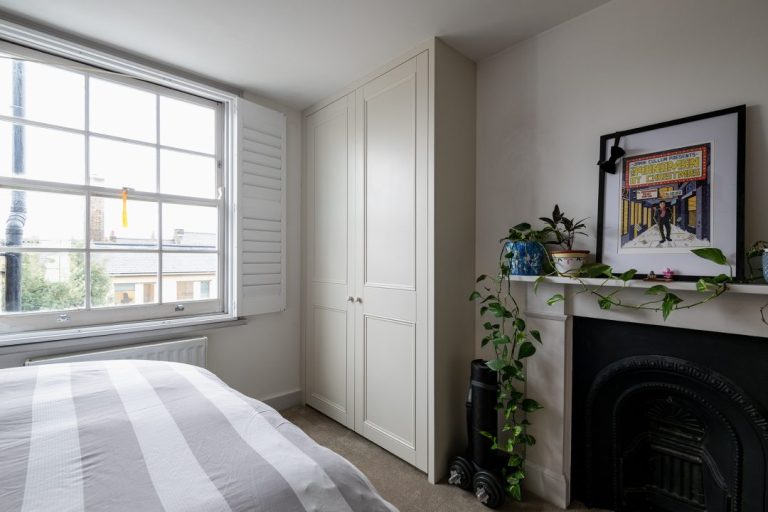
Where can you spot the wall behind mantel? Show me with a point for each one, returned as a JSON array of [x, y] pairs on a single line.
[[543, 104]]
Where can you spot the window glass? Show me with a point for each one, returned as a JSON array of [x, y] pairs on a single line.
[[186, 125], [49, 94], [50, 281], [108, 231], [188, 227], [42, 220], [122, 111], [187, 174], [43, 153], [183, 275], [120, 278], [116, 164]]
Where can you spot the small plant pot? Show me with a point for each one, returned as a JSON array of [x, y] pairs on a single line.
[[569, 262], [525, 258]]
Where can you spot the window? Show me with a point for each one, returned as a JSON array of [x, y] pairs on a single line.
[[111, 192]]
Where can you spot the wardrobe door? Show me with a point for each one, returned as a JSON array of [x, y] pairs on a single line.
[[330, 266], [391, 340]]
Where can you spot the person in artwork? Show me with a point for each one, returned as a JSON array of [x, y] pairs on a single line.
[[663, 218]]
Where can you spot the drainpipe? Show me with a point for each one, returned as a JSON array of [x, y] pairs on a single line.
[[14, 226]]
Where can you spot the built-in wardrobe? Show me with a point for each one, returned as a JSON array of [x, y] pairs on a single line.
[[389, 202]]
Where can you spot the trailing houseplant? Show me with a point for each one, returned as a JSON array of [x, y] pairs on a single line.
[[566, 260], [513, 343]]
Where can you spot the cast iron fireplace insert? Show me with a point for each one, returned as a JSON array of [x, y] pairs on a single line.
[[668, 420]]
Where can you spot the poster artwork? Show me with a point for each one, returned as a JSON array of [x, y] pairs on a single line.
[[666, 201]]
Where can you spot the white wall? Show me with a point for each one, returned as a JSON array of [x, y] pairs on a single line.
[[543, 104]]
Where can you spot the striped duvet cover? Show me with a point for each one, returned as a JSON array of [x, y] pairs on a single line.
[[146, 436]]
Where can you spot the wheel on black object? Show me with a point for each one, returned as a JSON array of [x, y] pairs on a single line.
[[488, 489], [460, 472]]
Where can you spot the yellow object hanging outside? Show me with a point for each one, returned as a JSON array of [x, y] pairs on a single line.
[[125, 207]]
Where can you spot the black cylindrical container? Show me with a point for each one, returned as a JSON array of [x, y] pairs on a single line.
[[483, 416]]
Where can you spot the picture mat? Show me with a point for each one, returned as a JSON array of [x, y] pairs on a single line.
[[722, 132]]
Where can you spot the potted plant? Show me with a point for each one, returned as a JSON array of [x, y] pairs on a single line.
[[566, 260], [524, 249]]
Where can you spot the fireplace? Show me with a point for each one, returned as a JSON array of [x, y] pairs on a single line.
[[667, 419]]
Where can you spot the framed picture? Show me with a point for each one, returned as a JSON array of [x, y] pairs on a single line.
[[671, 187]]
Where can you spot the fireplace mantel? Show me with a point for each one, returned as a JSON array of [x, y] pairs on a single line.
[[689, 286], [549, 373]]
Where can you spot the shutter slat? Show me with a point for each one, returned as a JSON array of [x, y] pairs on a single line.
[[262, 172]]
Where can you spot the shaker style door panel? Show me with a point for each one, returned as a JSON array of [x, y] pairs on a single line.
[[329, 320], [391, 337]]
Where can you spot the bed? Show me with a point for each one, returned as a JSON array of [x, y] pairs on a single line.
[[153, 436]]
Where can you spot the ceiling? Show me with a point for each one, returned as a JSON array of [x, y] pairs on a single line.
[[295, 52]]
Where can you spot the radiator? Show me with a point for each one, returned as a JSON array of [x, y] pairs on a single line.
[[190, 351]]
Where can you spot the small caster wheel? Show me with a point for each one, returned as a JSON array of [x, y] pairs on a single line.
[[460, 473], [488, 489]]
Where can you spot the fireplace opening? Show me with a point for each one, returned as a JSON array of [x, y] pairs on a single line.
[[668, 419]]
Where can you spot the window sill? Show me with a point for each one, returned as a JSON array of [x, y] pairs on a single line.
[[130, 333]]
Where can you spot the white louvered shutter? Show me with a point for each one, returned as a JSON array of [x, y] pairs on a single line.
[[261, 210]]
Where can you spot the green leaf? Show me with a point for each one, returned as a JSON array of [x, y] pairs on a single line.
[[605, 302], [514, 491], [657, 290], [704, 284], [555, 299], [536, 335], [474, 295], [669, 303], [712, 254], [531, 405], [488, 326], [523, 226], [481, 277], [526, 350], [537, 282], [722, 278], [519, 324], [629, 274], [596, 270], [496, 364]]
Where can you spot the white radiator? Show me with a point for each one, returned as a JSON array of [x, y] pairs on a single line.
[[190, 351]]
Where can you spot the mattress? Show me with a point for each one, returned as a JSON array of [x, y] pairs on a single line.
[[152, 436]]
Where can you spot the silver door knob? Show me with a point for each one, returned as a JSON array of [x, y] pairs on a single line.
[[359, 299], [350, 298]]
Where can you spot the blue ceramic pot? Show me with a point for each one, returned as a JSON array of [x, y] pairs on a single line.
[[525, 258], [765, 265]]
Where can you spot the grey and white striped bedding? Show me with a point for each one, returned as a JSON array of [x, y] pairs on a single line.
[[148, 435]]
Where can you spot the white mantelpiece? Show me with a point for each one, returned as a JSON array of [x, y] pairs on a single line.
[[549, 372]]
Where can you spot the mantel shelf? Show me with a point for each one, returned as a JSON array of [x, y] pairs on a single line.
[[684, 286]]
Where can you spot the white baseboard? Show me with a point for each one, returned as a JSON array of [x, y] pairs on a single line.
[[285, 400], [547, 484]]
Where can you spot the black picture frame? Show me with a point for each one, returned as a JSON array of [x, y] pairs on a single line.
[[733, 171]]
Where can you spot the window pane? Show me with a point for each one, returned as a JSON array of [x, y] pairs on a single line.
[[122, 111], [47, 154], [49, 281], [117, 164], [51, 220], [187, 126], [123, 278], [189, 277], [107, 231], [187, 175], [49, 94], [188, 227]]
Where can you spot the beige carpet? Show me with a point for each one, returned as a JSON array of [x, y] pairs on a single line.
[[399, 483]]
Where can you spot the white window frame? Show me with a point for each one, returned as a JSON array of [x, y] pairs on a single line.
[[86, 323]]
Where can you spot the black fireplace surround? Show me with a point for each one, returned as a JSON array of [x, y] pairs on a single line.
[[668, 419]]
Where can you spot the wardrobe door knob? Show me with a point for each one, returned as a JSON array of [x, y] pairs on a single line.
[[359, 300], [350, 298]]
